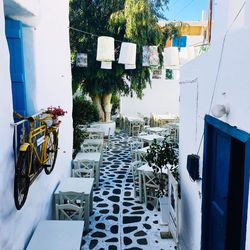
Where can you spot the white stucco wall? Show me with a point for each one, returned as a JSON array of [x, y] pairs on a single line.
[[48, 77], [160, 98], [233, 89]]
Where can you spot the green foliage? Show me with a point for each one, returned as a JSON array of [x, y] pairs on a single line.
[[159, 156], [78, 138], [115, 103], [84, 112], [125, 20]]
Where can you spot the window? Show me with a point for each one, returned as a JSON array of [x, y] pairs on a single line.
[[179, 42]]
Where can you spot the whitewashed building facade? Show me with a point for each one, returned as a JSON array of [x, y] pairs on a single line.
[[43, 79], [215, 210]]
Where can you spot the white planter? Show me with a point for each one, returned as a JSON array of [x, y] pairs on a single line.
[[164, 206]]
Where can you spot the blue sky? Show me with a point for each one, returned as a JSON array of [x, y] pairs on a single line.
[[186, 10]]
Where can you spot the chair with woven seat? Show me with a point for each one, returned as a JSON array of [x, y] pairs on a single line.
[[76, 199], [83, 173], [84, 168], [90, 148], [68, 212], [134, 146], [134, 168], [151, 188]]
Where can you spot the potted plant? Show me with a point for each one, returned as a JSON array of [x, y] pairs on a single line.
[[160, 156], [55, 112]]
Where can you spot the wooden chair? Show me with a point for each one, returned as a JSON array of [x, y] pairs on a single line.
[[134, 168], [72, 198], [134, 146], [83, 173], [150, 188], [90, 148], [68, 212]]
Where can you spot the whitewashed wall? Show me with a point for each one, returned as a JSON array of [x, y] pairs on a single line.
[[48, 75], [233, 88], [160, 98]]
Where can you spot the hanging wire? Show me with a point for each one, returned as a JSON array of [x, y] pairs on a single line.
[[219, 66], [88, 33], [186, 6]]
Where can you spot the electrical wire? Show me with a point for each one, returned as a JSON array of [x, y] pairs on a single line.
[[219, 66], [186, 6]]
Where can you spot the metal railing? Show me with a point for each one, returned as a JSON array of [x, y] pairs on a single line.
[[21, 139]]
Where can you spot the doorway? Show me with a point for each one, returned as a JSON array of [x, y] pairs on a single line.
[[225, 186]]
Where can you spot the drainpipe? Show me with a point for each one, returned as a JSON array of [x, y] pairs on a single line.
[[210, 13]]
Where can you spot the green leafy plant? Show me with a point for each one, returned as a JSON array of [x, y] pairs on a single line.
[[125, 20], [158, 157], [84, 112]]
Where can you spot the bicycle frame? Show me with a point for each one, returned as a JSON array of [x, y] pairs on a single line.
[[43, 140]]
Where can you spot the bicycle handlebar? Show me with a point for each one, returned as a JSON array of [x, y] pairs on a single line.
[[32, 117]]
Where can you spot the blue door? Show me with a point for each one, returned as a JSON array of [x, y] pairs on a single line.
[[225, 186], [13, 31]]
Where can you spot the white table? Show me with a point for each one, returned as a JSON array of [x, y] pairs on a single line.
[[146, 168], [156, 129], [130, 120], [95, 130], [140, 152], [105, 127], [150, 138], [95, 157], [84, 185], [53, 234], [93, 142]]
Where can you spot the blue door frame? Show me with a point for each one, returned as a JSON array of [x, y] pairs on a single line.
[[243, 139], [13, 30]]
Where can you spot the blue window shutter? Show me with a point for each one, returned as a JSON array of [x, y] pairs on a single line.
[[13, 31], [180, 42]]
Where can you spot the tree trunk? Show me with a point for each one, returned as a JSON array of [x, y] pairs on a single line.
[[107, 106], [97, 100]]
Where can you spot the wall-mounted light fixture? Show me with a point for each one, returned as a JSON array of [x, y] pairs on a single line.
[[220, 110]]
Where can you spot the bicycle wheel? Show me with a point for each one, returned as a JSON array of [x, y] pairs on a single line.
[[22, 180], [51, 152]]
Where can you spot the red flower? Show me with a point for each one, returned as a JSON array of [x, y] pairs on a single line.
[[55, 111]]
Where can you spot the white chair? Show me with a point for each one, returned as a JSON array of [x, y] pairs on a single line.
[[68, 212], [134, 146], [151, 187], [90, 148], [83, 173], [96, 135], [107, 145], [134, 168], [135, 129], [72, 198]]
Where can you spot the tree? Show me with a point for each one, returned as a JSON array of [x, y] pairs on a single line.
[[125, 20]]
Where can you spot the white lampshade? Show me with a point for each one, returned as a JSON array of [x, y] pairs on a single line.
[[106, 65], [130, 66], [105, 49], [128, 54], [171, 57]]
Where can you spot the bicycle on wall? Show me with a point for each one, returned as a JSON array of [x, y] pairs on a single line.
[[37, 151]]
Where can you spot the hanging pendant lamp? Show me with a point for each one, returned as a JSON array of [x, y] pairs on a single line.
[[106, 65], [171, 57], [127, 54], [105, 49], [130, 66]]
